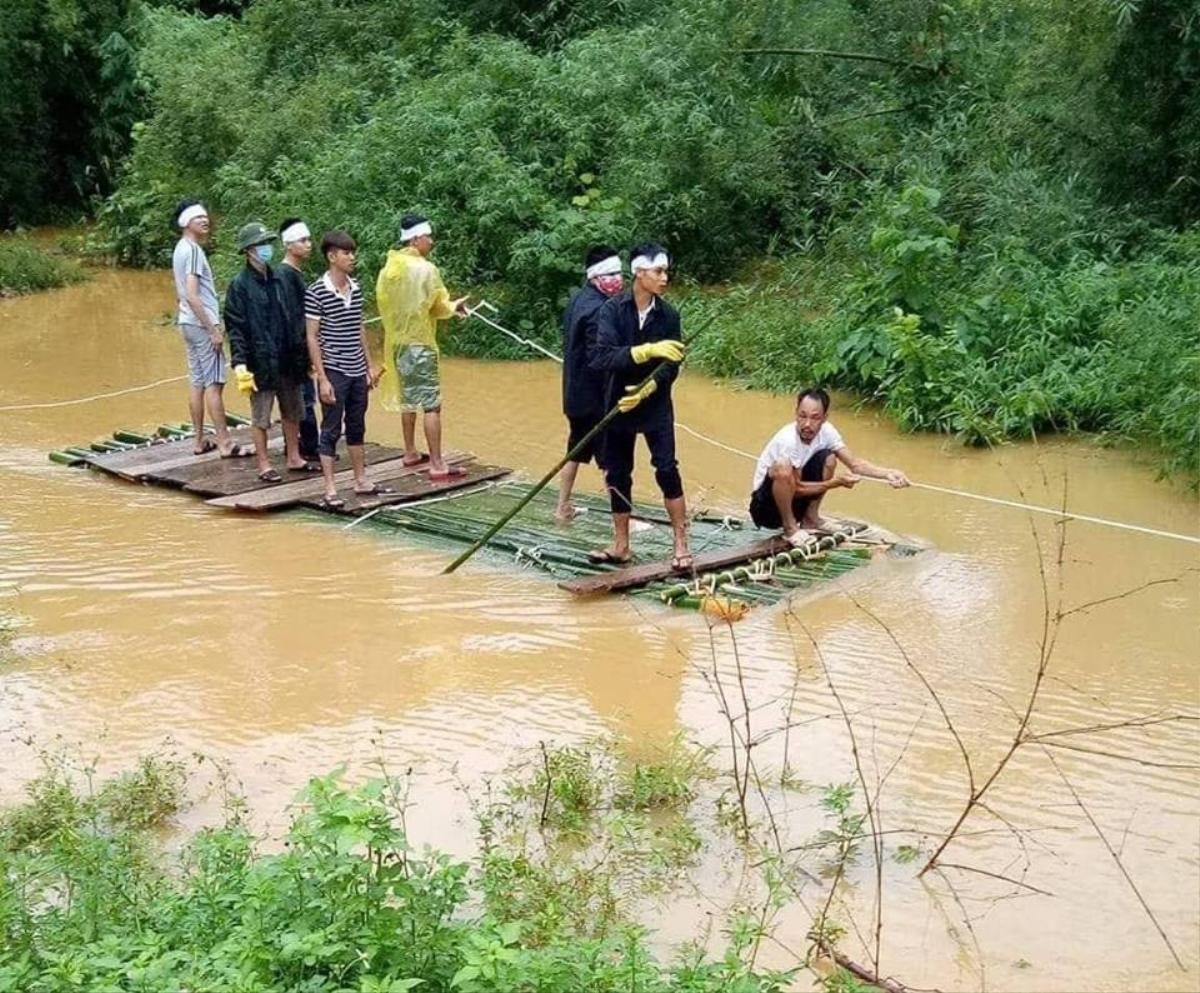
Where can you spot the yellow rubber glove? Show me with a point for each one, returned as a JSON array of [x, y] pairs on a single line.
[[667, 349], [633, 396], [245, 379]]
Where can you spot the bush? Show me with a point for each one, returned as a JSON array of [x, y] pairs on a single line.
[[347, 905], [26, 269]]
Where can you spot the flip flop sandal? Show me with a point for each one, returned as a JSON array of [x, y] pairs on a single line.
[[307, 467], [332, 503], [683, 563], [375, 490], [419, 460], [239, 452], [208, 446], [605, 557], [270, 476]]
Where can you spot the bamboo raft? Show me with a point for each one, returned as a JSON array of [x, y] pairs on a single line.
[[733, 570]]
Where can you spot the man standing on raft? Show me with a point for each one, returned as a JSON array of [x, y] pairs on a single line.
[[634, 330], [412, 298], [583, 387], [795, 470]]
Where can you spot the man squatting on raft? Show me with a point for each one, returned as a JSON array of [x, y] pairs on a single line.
[[795, 470], [268, 349], [633, 329], [412, 299], [583, 387]]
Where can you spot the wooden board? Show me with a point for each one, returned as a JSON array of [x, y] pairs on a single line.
[[650, 572], [228, 476], [289, 494], [139, 463], [410, 487]]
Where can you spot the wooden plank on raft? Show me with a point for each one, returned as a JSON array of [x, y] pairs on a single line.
[[139, 463], [410, 488], [228, 476], [290, 494], [650, 572]]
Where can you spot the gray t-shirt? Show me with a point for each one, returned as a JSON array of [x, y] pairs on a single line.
[[189, 260]]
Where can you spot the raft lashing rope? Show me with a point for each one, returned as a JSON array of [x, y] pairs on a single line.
[[535, 541]]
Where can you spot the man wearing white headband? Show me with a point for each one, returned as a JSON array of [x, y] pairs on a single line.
[[583, 387], [297, 249], [637, 333], [412, 299], [199, 320]]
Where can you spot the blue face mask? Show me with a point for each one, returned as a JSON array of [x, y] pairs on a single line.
[[264, 253]]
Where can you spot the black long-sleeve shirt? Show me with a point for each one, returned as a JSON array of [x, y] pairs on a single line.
[[583, 386], [617, 332]]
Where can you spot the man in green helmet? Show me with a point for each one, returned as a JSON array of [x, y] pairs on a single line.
[[269, 356]]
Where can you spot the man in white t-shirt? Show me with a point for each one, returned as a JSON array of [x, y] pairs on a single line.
[[795, 470]]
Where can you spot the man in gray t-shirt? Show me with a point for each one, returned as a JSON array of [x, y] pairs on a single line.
[[199, 320]]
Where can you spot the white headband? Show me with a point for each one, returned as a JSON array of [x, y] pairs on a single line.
[[295, 232], [408, 234], [189, 214], [660, 261], [610, 266]]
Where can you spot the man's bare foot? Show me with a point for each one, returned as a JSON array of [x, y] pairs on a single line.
[[611, 556], [797, 538], [564, 513], [815, 523]]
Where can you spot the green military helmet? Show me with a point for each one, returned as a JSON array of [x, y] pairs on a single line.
[[254, 233]]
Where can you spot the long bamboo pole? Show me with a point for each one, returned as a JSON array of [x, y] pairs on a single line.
[[546, 479]]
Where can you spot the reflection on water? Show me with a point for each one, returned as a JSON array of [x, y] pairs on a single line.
[[287, 645]]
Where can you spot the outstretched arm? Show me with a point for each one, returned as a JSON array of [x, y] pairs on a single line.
[[860, 466]]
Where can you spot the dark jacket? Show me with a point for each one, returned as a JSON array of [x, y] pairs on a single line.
[[260, 335], [292, 288], [583, 387], [617, 332]]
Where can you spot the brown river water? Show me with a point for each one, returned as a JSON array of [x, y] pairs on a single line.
[[286, 645]]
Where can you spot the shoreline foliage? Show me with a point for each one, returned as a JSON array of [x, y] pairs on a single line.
[[980, 213], [27, 268]]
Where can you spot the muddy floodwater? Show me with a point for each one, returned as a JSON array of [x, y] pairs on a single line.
[[286, 645]]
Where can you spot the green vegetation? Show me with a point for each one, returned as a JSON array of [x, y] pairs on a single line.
[[979, 213], [24, 268], [87, 900]]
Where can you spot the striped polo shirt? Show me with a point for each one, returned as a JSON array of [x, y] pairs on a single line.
[[340, 333]]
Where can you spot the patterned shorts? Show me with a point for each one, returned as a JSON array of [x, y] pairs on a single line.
[[420, 382], [206, 365]]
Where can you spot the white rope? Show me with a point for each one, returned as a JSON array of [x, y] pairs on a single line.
[[98, 396], [924, 486], [402, 506], [474, 312], [1052, 511]]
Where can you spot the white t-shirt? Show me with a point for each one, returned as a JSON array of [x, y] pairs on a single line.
[[787, 444]]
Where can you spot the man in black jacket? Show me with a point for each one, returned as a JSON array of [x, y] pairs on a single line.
[[636, 330], [583, 387], [297, 248], [270, 359]]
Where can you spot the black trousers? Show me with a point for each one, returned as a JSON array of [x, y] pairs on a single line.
[[619, 443], [763, 509], [349, 408]]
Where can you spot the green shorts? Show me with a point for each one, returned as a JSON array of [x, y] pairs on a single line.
[[420, 383]]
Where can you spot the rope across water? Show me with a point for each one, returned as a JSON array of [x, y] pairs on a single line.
[[700, 436]]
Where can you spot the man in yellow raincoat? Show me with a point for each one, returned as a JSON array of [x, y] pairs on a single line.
[[412, 299]]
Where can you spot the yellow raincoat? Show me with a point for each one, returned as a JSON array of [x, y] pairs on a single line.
[[411, 298]]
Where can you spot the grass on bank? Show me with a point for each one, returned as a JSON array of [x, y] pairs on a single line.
[[25, 268], [89, 899]]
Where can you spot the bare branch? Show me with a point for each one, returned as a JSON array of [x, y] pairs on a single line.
[[1132, 591], [1115, 857], [994, 875], [1148, 763], [1133, 722]]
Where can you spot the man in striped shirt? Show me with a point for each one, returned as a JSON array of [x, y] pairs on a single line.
[[337, 345]]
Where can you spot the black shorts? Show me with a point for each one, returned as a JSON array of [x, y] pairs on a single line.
[[763, 510], [580, 426]]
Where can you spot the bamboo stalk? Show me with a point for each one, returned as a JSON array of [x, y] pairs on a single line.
[[549, 476]]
